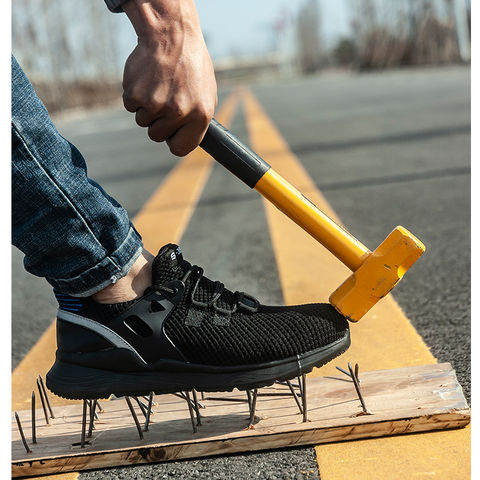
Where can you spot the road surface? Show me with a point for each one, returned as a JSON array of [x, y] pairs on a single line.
[[385, 149]]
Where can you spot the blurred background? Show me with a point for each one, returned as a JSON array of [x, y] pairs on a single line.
[[75, 58], [371, 96]]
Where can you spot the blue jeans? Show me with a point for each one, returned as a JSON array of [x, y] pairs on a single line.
[[71, 232]]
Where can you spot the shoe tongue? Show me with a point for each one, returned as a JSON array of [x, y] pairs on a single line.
[[168, 264]]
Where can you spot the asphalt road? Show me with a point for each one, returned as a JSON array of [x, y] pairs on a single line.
[[385, 149]]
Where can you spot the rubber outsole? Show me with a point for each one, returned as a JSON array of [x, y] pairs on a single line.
[[75, 382]]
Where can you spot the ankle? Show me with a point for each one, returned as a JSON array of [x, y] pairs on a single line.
[[132, 285]]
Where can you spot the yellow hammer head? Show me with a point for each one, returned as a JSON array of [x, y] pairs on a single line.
[[377, 275]]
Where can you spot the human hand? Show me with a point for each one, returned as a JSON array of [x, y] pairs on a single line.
[[169, 81]]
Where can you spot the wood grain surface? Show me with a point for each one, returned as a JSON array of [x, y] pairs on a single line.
[[402, 400]]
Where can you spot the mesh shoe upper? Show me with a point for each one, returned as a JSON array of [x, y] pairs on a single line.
[[248, 335]]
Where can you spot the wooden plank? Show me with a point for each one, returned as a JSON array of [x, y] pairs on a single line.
[[403, 400]]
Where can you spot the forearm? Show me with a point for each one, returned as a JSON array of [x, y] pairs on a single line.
[[160, 18]]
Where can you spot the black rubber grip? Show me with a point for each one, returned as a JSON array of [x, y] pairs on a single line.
[[228, 150]]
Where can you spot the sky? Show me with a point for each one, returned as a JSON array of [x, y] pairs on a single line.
[[244, 27]]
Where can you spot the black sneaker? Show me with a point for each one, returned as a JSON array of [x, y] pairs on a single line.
[[187, 332]]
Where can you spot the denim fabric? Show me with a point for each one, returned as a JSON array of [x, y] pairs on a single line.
[[71, 232]]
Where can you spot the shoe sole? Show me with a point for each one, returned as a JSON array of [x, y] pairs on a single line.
[[75, 382]]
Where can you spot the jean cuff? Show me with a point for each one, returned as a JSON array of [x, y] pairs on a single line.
[[109, 270]]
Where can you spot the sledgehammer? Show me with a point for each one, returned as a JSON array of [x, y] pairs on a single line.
[[374, 273]]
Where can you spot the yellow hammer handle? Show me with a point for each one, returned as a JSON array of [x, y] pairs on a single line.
[[304, 213], [228, 150]]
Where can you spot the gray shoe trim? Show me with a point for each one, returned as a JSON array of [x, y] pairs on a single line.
[[99, 329]]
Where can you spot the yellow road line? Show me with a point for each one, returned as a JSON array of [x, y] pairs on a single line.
[[384, 338], [165, 216], [163, 219]]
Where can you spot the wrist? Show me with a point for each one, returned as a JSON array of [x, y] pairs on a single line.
[[159, 18]]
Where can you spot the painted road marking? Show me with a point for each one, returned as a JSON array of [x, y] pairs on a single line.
[[163, 219], [384, 338], [165, 216]]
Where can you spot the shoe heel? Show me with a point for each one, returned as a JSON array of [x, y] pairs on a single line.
[[75, 382]]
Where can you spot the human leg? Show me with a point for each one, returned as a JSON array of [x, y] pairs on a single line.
[[183, 332], [70, 230]]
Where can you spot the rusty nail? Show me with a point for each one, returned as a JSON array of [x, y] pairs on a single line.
[[190, 410], [34, 427], [304, 397], [340, 369], [295, 396], [147, 399], [196, 407], [93, 407], [42, 399], [20, 429], [201, 405], [90, 402], [135, 419], [253, 405], [249, 400], [141, 406], [42, 384], [149, 412], [84, 424], [356, 372], [300, 386], [357, 388]]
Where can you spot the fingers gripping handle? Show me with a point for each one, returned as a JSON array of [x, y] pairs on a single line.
[[233, 155]]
